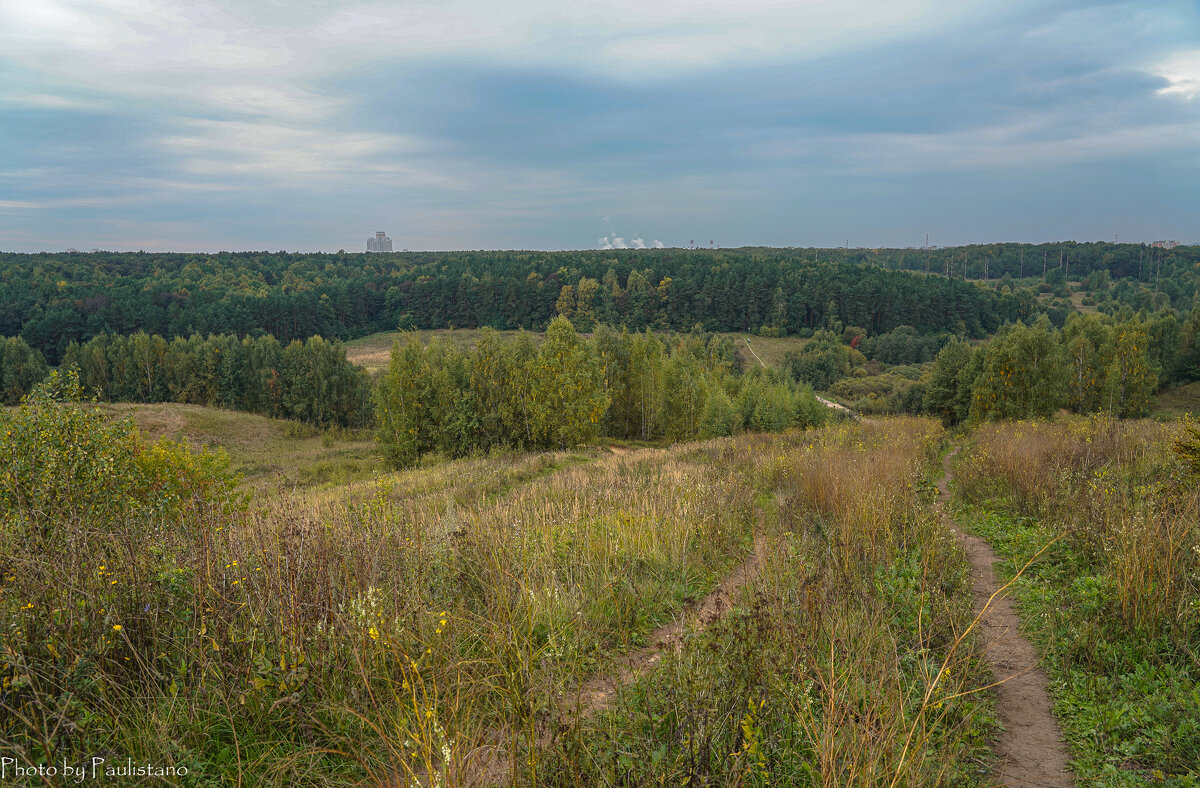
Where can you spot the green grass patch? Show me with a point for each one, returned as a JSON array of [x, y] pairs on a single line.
[[267, 453], [1184, 399], [1128, 703]]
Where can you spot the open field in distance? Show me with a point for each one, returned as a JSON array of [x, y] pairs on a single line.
[[372, 352]]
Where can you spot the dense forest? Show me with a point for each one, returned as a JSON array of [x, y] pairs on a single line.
[[259, 332], [51, 300]]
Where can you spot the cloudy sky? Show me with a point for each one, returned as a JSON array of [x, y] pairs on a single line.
[[465, 124]]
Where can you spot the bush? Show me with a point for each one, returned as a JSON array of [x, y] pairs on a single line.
[[21, 368], [103, 541], [69, 476], [820, 363]]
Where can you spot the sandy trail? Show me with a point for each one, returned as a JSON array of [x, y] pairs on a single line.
[[1030, 748]]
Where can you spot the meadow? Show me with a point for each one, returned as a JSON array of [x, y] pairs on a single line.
[[713, 611], [1112, 603], [266, 603]]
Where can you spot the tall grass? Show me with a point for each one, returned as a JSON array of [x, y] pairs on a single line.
[[420, 628], [1112, 606], [1116, 493], [435, 626], [849, 661]]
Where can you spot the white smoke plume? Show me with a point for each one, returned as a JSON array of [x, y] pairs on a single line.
[[614, 241]]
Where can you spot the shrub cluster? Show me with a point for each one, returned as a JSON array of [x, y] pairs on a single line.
[[1032, 371], [569, 390]]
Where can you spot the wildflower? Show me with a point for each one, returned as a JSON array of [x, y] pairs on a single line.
[[374, 633], [116, 627]]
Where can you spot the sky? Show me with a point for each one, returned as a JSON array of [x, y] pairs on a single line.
[[192, 125]]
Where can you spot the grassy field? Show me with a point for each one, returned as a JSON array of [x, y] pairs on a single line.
[[373, 352], [1180, 399], [766, 609], [268, 453], [1112, 604], [503, 620]]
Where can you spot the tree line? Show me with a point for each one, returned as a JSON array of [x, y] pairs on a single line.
[[1091, 365], [310, 381], [513, 394], [1162, 277], [51, 300]]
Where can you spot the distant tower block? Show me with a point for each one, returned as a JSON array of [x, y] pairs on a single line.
[[380, 243]]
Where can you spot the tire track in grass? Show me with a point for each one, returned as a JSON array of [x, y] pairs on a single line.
[[490, 766]]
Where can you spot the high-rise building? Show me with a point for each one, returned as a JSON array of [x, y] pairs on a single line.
[[380, 243]]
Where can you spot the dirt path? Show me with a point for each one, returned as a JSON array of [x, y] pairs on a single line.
[[833, 405], [1030, 749], [599, 692]]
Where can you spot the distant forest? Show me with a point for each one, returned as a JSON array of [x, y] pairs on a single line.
[[51, 300]]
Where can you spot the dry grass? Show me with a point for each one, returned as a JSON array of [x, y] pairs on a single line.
[[1110, 488], [851, 660], [435, 624]]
